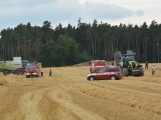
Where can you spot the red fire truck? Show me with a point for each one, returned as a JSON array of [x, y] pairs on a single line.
[[96, 64]]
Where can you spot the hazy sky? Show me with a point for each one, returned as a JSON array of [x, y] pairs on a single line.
[[114, 12]]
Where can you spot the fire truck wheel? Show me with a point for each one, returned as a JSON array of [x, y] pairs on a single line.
[[27, 76]]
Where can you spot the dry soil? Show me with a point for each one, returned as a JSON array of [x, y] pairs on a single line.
[[68, 95]]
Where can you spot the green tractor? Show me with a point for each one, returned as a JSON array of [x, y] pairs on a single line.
[[127, 62]]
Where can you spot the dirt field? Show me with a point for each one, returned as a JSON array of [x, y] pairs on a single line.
[[67, 95]]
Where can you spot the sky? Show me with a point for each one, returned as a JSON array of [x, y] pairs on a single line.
[[114, 12]]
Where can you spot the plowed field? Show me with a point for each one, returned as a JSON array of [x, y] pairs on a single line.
[[67, 95]]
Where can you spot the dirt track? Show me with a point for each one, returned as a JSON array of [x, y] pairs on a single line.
[[67, 95]]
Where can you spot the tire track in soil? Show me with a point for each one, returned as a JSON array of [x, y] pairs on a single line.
[[133, 100], [28, 105], [144, 89], [65, 100]]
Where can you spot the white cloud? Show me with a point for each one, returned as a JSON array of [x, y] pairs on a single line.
[[139, 12], [14, 12]]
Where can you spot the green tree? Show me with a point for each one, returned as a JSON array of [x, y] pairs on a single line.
[[49, 54], [47, 30], [62, 49]]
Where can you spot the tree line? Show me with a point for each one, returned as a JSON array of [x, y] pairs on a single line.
[[69, 45]]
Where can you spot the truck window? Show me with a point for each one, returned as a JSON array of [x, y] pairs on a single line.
[[31, 67], [112, 70], [108, 70]]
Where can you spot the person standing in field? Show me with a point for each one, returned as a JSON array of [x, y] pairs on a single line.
[[146, 65], [50, 72], [153, 69]]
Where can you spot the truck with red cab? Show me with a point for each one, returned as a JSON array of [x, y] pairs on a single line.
[[32, 70], [111, 72], [96, 64]]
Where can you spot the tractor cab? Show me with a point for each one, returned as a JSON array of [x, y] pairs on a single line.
[[127, 58]]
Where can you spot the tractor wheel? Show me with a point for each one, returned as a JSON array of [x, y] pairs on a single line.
[[20, 72], [125, 72], [141, 71], [91, 78], [6, 72]]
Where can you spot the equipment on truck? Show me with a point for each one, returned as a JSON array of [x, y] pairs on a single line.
[[96, 64], [128, 64], [17, 66]]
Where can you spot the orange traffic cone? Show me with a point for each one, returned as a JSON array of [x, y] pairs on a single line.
[[50, 73]]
